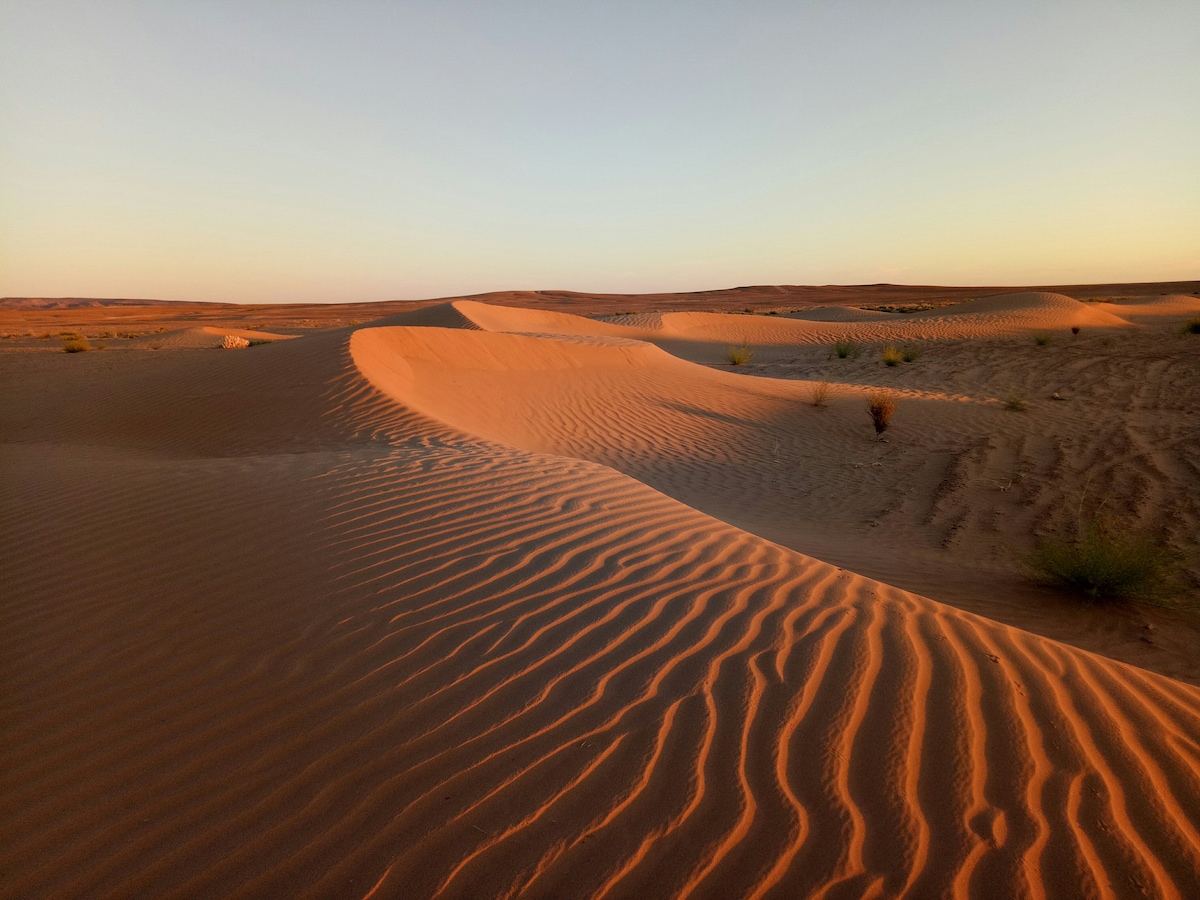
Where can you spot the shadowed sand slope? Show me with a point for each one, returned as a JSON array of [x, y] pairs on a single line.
[[272, 631]]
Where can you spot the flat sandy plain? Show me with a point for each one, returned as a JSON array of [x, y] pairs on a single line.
[[486, 598]]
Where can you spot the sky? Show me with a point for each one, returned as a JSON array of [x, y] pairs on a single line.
[[349, 151]]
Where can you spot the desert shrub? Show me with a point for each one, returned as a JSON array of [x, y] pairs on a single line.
[[75, 346], [821, 392], [738, 355], [880, 406], [911, 354], [1042, 338], [846, 347], [892, 356], [1104, 562], [258, 343], [1015, 401], [1191, 326], [1075, 329], [233, 342]]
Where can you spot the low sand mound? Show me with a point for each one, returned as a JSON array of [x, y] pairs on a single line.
[[201, 338], [1138, 309], [1033, 309], [840, 314], [370, 655]]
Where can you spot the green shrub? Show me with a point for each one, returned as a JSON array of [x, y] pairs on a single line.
[[1042, 338], [844, 348], [892, 356], [1105, 562], [911, 354], [739, 355]]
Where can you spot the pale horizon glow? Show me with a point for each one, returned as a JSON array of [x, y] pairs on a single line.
[[334, 152]]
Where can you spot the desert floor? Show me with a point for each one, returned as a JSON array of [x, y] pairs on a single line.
[[479, 600]]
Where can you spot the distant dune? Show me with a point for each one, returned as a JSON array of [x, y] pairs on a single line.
[[486, 601], [79, 302]]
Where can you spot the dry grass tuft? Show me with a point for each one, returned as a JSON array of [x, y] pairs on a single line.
[[821, 392], [739, 355], [75, 346], [1075, 329], [911, 354], [881, 405], [892, 355]]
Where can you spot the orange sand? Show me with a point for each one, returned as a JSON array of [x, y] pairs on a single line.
[[479, 602]]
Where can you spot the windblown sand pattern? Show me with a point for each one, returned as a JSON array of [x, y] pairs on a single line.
[[272, 630]]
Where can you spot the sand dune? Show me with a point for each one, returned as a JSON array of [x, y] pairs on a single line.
[[367, 615], [704, 337], [203, 337]]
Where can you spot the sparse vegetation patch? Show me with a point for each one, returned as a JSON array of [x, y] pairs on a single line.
[[1015, 401], [892, 355], [1042, 338], [75, 346], [1105, 562]]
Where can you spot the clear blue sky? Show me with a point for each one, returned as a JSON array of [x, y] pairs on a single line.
[[290, 151]]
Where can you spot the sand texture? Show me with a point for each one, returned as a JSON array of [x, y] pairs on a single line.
[[490, 602]]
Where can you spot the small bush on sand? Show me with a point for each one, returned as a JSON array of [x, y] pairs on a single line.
[[1042, 338], [911, 354], [233, 342], [1015, 401], [1105, 561], [1075, 329], [845, 348], [75, 346], [892, 356], [258, 343], [821, 392], [739, 355], [1191, 326], [880, 405]]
